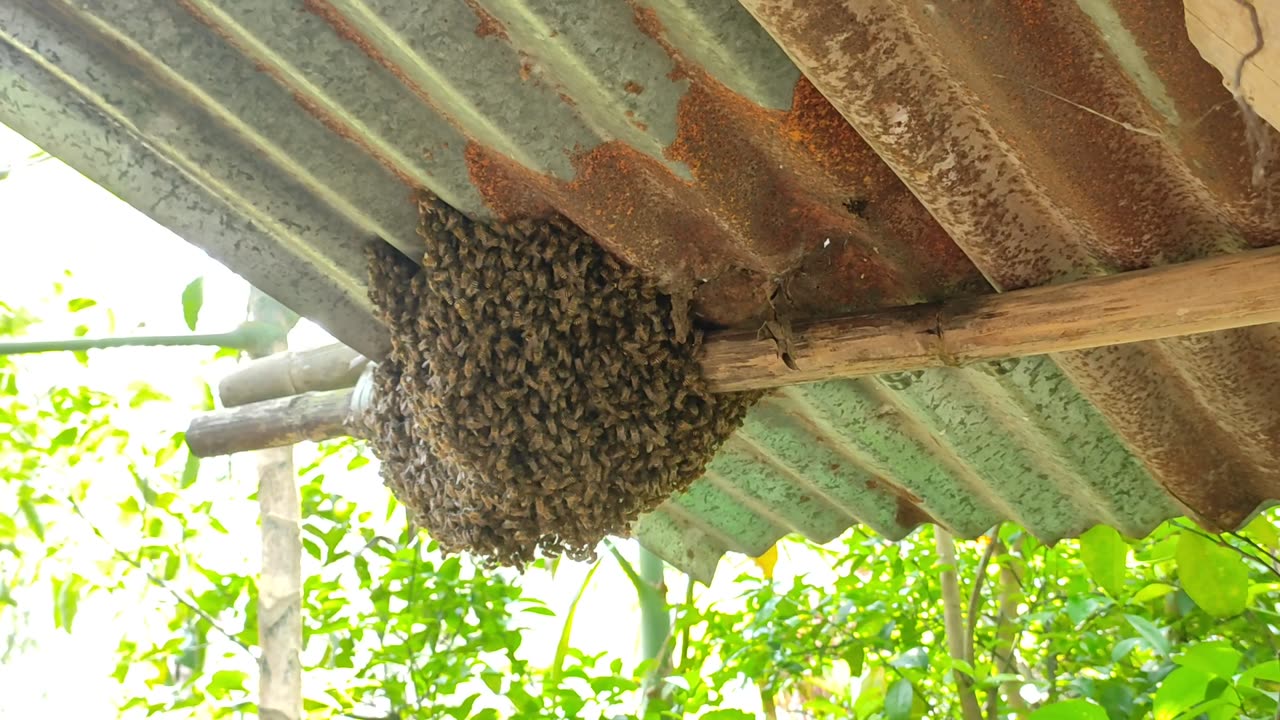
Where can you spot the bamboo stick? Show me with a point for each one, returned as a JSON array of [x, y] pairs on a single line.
[[289, 373], [278, 422], [1201, 296], [280, 579]]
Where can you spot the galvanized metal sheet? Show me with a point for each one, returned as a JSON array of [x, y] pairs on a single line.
[[965, 148]]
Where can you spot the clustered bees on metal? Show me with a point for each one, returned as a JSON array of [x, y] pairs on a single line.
[[539, 395]]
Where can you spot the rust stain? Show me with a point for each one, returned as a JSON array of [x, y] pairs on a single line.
[[933, 150], [486, 24], [1045, 159], [768, 199], [911, 516]]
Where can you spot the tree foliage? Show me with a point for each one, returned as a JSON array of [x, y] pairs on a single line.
[[1179, 624]]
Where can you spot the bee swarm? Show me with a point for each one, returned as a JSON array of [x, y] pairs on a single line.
[[539, 394]]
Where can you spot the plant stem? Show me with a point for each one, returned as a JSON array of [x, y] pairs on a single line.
[[182, 599], [655, 618], [249, 336], [953, 619], [975, 595]]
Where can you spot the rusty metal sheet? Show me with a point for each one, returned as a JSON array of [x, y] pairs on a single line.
[[859, 154]]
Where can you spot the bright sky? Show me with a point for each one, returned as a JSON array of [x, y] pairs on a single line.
[[55, 221]]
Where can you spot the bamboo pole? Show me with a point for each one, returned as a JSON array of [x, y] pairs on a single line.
[[279, 422], [1219, 293], [280, 581], [290, 373]]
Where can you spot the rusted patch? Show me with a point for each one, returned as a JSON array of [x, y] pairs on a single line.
[[633, 87], [486, 24], [768, 200], [511, 194], [910, 516], [1048, 154], [907, 514]]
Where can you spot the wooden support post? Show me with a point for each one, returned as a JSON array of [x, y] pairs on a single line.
[[1219, 293], [289, 373], [280, 580]]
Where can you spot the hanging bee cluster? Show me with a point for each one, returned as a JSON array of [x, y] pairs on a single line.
[[539, 395]]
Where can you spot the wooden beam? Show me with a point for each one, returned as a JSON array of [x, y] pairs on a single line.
[[289, 373], [1202, 296], [273, 423]]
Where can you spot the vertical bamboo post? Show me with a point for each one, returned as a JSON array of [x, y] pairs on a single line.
[[280, 583]]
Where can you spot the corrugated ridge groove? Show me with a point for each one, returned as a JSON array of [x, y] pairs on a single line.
[[619, 79], [347, 91], [719, 507], [773, 484], [722, 38], [176, 61], [826, 471], [1116, 491], [894, 448]]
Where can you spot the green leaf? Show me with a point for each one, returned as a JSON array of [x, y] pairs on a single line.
[[1069, 710], [78, 304], [66, 438], [1263, 531], [1153, 635], [8, 528], [871, 693], [1268, 671], [493, 681], [190, 471], [223, 682], [1123, 648], [144, 393], [562, 647], [855, 656], [192, 301], [1216, 658], [1215, 577], [1180, 690], [726, 714], [1151, 592], [1105, 555], [66, 600], [897, 702], [34, 522]]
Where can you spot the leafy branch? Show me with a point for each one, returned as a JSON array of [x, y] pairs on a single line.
[[154, 580]]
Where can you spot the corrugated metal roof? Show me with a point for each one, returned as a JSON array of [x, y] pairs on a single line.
[[966, 147]]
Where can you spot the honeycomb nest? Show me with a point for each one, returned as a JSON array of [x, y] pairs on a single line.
[[539, 395]]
